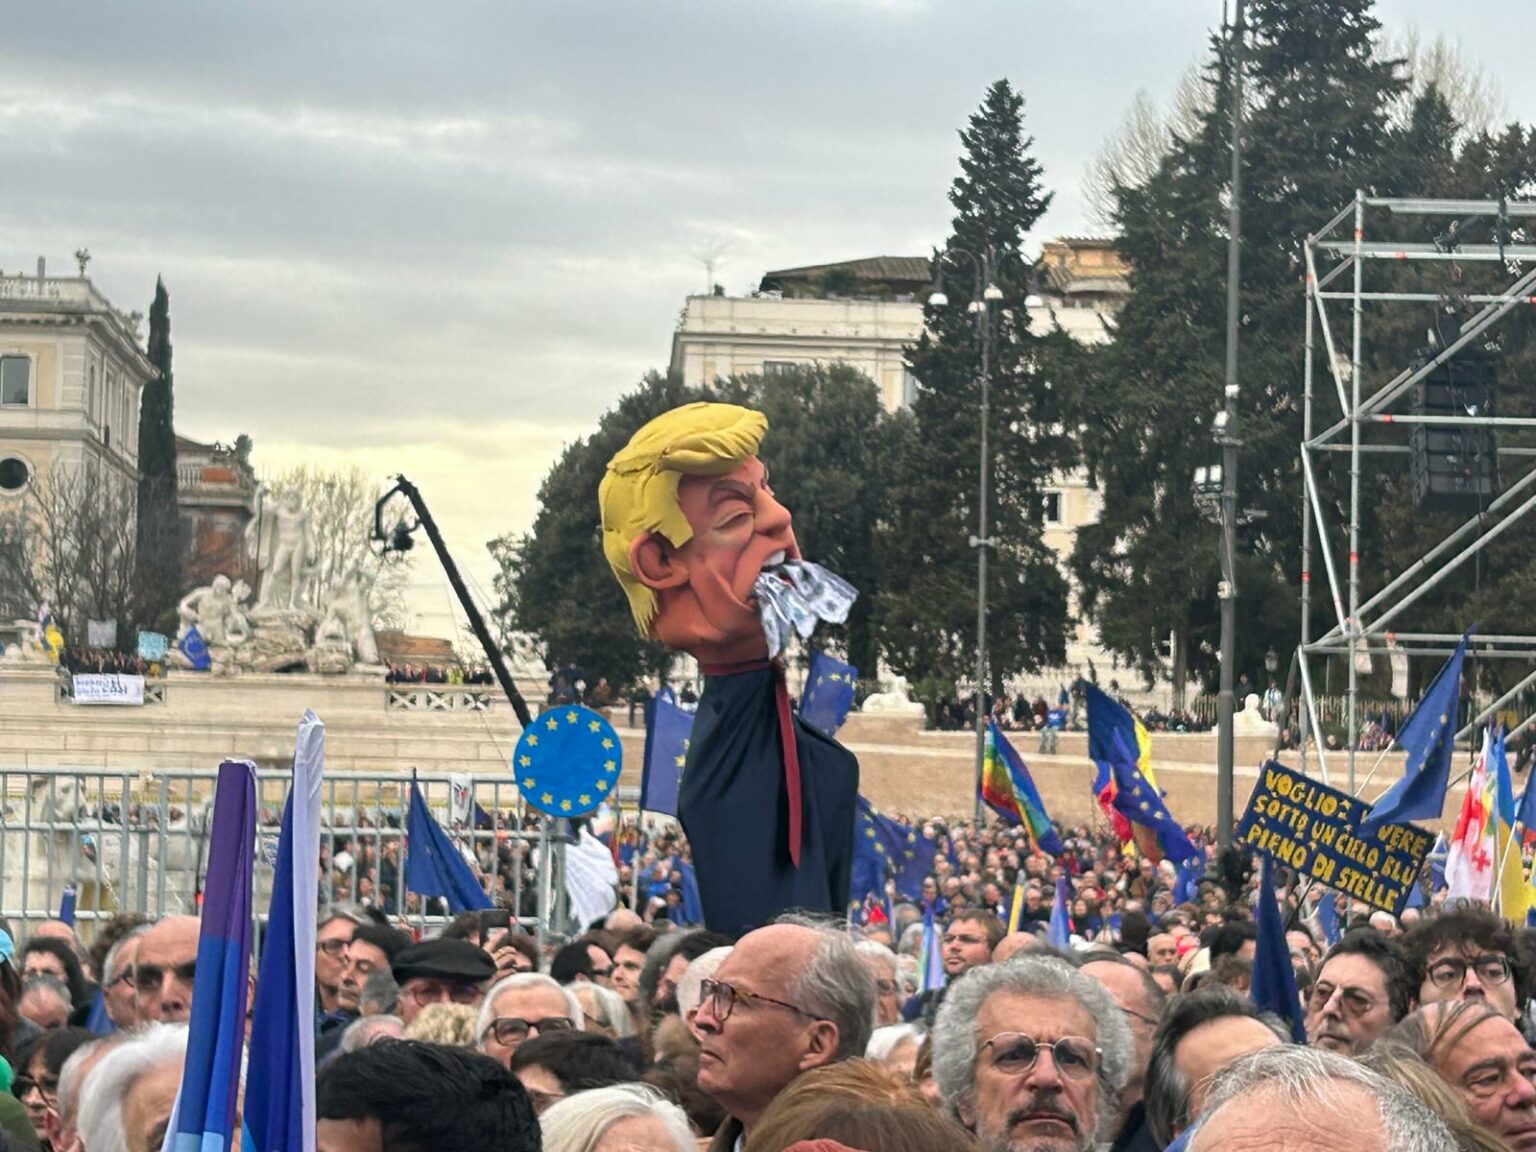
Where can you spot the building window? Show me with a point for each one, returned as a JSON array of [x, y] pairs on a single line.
[[15, 381], [909, 386], [778, 367], [1050, 507], [14, 474]]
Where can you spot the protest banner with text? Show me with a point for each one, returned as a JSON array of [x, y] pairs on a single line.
[[1311, 828], [107, 688]]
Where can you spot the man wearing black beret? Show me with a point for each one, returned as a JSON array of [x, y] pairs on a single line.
[[439, 972]]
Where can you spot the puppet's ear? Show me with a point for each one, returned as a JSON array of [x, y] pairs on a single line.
[[656, 563]]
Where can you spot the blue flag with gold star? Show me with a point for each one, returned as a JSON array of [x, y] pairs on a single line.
[[567, 761], [887, 849], [667, 733], [433, 865], [828, 695], [1429, 737], [1155, 831]]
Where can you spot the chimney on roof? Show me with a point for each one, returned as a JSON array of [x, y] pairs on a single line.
[[42, 268]]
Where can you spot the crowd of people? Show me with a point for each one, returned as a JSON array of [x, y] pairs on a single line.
[[77, 661], [1134, 1032], [438, 674]]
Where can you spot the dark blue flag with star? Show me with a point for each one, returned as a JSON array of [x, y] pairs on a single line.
[[1274, 980], [1429, 737], [887, 849], [433, 865], [828, 695], [667, 733], [1155, 831]]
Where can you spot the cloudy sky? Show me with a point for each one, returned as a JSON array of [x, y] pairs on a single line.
[[440, 239]]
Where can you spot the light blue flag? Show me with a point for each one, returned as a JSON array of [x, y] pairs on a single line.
[[280, 1083], [1058, 933], [933, 953], [203, 1118], [1429, 737], [1328, 918]]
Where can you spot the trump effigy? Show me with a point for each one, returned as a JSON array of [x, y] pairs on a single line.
[[708, 559]]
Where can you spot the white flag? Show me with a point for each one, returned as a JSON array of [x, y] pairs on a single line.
[[1469, 860]]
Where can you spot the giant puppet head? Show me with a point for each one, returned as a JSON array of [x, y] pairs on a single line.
[[690, 525]]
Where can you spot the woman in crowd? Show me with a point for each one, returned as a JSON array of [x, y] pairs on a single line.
[[556, 1065], [36, 1083], [858, 1103]]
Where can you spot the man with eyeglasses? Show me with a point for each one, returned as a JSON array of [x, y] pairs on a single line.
[[1468, 954], [788, 998], [1480, 1053], [1030, 1054], [439, 972], [1362, 989], [164, 969], [331, 939], [119, 996], [523, 1005]]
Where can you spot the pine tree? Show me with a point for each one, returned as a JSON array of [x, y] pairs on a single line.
[[160, 546], [926, 618]]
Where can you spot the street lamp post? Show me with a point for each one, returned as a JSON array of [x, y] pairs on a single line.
[[985, 294]]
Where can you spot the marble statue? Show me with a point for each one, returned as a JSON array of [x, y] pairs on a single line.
[[348, 619], [215, 610], [896, 700], [1250, 721], [281, 539]]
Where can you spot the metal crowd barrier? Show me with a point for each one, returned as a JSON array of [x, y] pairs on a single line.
[[138, 842]]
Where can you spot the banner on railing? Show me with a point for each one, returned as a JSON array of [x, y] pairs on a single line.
[[108, 688], [153, 645]]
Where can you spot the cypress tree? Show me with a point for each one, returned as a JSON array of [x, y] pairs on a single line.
[[159, 556]]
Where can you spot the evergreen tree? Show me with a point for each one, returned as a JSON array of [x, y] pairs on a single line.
[[158, 574], [1317, 128], [926, 617]]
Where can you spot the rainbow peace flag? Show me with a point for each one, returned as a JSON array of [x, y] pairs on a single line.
[[1008, 789]]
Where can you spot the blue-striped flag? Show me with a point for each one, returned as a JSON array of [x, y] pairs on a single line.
[[203, 1118], [667, 731], [433, 866], [828, 695], [280, 1085], [932, 974], [67, 906]]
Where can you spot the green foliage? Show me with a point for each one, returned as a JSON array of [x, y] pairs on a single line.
[[158, 579], [927, 613]]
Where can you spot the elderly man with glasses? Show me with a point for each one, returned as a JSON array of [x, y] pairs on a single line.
[[1468, 954], [1032, 1054], [439, 972], [522, 1005], [788, 998], [1362, 989]]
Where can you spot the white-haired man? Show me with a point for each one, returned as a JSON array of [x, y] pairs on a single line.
[[523, 1005], [126, 1100], [1032, 1054], [1313, 1100]]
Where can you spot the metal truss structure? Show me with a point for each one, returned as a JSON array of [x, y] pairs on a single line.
[[1340, 419]]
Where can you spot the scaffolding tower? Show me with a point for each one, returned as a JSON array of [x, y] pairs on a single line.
[[1336, 282]]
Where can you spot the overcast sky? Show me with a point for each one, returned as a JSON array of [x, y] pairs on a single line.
[[441, 239]]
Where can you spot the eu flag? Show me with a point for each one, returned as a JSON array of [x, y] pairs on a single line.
[[828, 695], [1328, 918], [1429, 737], [667, 735], [1154, 829], [203, 1117], [195, 649], [1108, 719], [433, 866], [886, 849], [1274, 980]]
